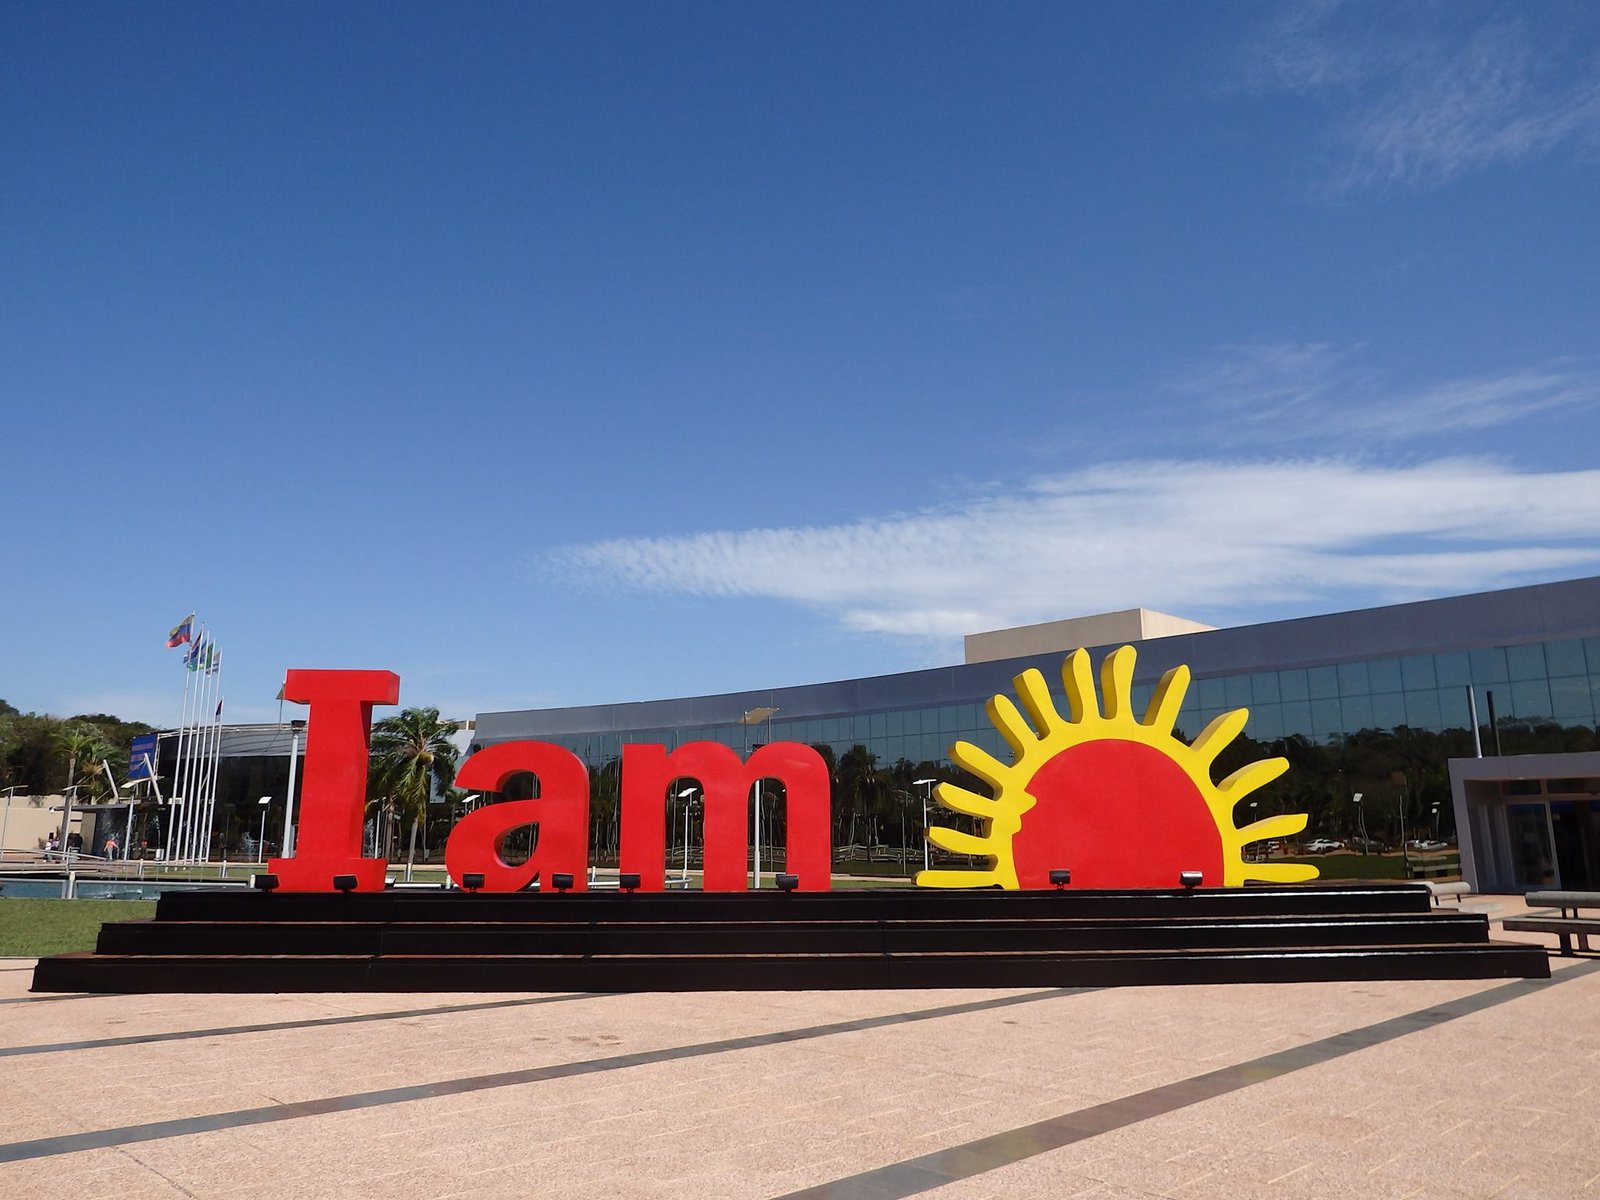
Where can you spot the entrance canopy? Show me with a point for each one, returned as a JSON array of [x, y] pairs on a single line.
[[1528, 821]]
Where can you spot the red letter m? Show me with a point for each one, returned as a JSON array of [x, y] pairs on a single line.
[[725, 782]]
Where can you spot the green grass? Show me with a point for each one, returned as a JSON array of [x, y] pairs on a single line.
[[31, 928]]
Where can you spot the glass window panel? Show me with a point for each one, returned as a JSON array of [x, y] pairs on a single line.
[[896, 723], [1357, 712], [1525, 662], [1564, 658], [1297, 718], [968, 716], [1422, 710], [1488, 665], [1388, 710], [1384, 674], [880, 725], [1236, 689], [861, 727], [949, 719], [1264, 688], [1323, 682], [1213, 693], [1530, 698], [1189, 717], [1591, 651], [1570, 702], [1416, 672], [1326, 719], [1453, 669], [1292, 685], [1453, 710], [1266, 722], [1353, 681], [1141, 698]]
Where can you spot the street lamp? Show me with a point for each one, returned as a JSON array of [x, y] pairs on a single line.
[[1261, 851], [261, 846], [755, 717], [686, 794], [927, 796], [287, 841]]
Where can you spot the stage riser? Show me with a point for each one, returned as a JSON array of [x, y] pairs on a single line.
[[902, 904], [234, 938], [688, 973]]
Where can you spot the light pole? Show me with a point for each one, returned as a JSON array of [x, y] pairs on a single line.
[[1261, 851], [1361, 820], [172, 823], [926, 798], [687, 796], [288, 802], [261, 846], [755, 717]]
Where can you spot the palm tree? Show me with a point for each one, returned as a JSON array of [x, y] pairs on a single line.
[[412, 757]]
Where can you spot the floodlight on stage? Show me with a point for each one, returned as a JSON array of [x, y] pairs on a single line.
[[561, 881], [1190, 879], [472, 881], [344, 883], [1060, 877], [629, 881], [264, 883], [788, 883]]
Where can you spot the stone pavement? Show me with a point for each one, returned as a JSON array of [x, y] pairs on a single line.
[[1424, 1089]]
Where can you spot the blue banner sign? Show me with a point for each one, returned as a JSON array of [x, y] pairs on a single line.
[[141, 756]]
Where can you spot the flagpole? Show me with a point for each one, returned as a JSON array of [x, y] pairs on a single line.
[[192, 786], [216, 761], [175, 816], [197, 851]]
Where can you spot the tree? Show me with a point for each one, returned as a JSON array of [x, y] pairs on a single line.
[[412, 757]]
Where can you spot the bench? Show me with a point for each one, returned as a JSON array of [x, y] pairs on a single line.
[[1568, 925], [1456, 890]]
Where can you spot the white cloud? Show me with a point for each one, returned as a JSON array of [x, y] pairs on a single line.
[[1299, 391], [1225, 540], [1421, 96]]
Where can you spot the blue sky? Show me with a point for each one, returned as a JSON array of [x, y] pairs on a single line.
[[568, 354]]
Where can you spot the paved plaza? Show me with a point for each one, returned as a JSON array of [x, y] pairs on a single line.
[[1424, 1089]]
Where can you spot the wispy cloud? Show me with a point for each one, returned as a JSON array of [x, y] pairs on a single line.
[[1287, 392], [1421, 95], [1224, 540]]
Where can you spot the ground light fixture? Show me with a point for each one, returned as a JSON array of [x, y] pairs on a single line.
[[561, 881], [629, 881], [787, 883], [264, 883], [472, 881], [1191, 879], [344, 883], [1060, 877]]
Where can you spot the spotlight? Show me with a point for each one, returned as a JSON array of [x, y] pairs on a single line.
[[788, 883], [628, 881], [472, 881], [344, 883], [264, 883], [561, 881], [1060, 877], [1190, 879]]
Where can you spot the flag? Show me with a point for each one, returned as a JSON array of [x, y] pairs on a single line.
[[219, 709], [213, 659], [194, 656], [181, 632]]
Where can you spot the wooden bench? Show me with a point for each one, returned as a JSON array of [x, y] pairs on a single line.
[[1568, 925]]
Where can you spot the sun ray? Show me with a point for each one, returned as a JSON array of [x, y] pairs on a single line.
[[958, 799], [1003, 715], [1280, 872], [957, 842], [1162, 715], [1116, 684], [1078, 677], [980, 762], [1034, 693], [1217, 736], [1278, 826], [1252, 776]]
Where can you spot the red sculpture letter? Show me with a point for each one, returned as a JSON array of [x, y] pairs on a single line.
[[725, 782], [561, 812], [332, 801]]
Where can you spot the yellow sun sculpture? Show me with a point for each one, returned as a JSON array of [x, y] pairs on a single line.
[[1120, 801]]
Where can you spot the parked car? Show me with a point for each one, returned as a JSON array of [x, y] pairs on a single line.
[[1323, 846], [1429, 845]]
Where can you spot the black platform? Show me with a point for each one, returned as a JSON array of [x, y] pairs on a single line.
[[691, 941]]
